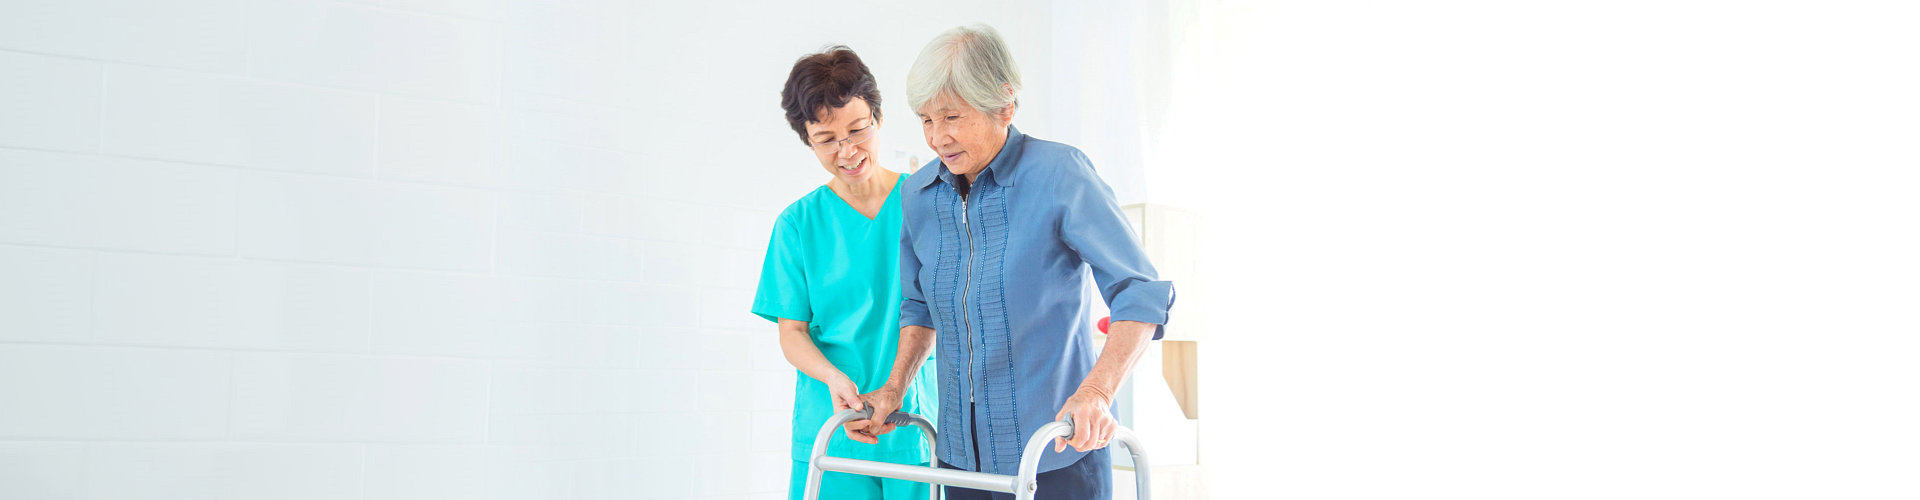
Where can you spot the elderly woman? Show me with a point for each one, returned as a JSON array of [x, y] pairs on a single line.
[[830, 279], [1001, 233]]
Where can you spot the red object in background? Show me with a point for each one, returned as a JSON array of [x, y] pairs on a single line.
[[1103, 323]]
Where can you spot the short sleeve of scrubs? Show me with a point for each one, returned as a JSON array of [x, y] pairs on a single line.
[[783, 280]]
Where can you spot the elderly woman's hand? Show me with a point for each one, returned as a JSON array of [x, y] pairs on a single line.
[[884, 401], [1093, 425]]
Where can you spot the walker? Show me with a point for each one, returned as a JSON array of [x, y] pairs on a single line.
[[1022, 486]]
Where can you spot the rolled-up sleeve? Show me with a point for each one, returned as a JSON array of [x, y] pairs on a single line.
[[1093, 225], [913, 305]]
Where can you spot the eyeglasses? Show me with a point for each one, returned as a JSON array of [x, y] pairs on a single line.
[[854, 139]]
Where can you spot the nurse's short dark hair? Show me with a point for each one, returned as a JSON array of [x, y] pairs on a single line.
[[828, 79]]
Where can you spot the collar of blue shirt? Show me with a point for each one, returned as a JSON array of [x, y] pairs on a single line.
[[1002, 166]]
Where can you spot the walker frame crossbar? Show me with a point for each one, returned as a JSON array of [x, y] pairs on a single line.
[[1022, 485]]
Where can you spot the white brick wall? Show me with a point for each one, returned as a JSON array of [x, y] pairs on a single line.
[[115, 203], [223, 470], [230, 120], [62, 94], [407, 249]]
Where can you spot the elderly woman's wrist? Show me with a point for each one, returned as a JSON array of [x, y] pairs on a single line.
[[1092, 389]]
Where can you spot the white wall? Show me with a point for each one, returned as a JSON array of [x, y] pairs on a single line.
[[410, 249], [1529, 250], [1113, 73]]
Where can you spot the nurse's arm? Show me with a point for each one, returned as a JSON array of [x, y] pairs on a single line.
[[916, 342], [797, 344]]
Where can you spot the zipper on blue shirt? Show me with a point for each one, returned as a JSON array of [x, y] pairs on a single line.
[[963, 188], [966, 289]]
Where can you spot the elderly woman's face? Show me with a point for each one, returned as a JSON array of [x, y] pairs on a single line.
[[843, 141], [965, 138]]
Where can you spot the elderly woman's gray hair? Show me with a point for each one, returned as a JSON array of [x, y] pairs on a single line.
[[973, 63]]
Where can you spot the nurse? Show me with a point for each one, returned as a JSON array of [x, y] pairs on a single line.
[[831, 277]]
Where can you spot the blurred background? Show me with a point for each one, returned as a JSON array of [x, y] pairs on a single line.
[[318, 249]]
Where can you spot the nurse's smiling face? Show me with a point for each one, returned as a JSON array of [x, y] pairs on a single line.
[[965, 138], [843, 141]]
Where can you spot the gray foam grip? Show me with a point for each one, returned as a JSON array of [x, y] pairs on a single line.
[[895, 418]]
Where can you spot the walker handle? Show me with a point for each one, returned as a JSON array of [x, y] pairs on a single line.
[[895, 418]]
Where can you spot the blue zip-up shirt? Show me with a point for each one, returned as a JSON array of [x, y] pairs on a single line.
[[1001, 277]]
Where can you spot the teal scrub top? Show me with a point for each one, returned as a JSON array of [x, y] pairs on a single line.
[[833, 268]]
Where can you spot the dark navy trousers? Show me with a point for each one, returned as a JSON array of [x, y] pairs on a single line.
[[1091, 478]]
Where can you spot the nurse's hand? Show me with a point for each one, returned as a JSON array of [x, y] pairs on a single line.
[[885, 401], [1093, 425], [846, 395]]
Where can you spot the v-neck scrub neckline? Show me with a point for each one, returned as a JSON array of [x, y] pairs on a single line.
[[892, 203]]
